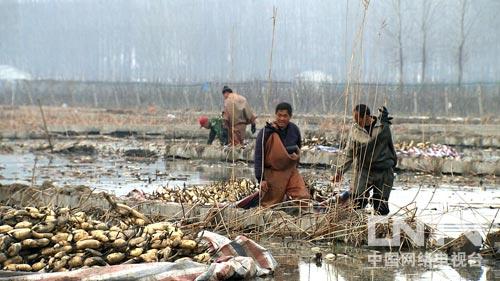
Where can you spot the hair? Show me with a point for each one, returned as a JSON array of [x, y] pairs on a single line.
[[362, 109], [226, 89], [284, 106]]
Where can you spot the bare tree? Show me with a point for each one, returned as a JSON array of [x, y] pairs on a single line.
[[394, 29], [466, 25], [397, 5], [428, 9], [461, 42]]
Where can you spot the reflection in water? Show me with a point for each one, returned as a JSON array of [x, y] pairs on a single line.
[[209, 171], [352, 269], [50, 157], [353, 264], [114, 174], [342, 270]]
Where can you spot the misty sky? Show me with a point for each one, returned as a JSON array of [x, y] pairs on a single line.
[[230, 40]]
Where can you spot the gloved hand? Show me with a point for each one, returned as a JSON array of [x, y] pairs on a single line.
[[254, 128], [384, 115]]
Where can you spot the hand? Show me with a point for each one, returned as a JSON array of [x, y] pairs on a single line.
[[253, 128], [384, 115], [337, 178], [263, 186], [294, 156]]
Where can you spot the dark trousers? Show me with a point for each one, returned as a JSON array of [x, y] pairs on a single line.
[[381, 182]]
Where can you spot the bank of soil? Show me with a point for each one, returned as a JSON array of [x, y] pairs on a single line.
[[25, 122]]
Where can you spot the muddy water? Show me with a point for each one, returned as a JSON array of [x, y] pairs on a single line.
[[450, 205], [298, 262], [344, 271], [117, 176], [451, 209]]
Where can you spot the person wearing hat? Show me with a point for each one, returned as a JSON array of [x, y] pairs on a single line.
[[216, 128], [237, 115]]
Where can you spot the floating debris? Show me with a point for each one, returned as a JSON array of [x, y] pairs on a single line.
[[178, 178], [6, 149], [320, 189], [468, 243], [123, 133], [76, 149], [331, 149], [140, 153], [323, 141], [493, 243]]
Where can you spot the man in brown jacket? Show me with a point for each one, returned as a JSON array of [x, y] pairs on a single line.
[[237, 115]]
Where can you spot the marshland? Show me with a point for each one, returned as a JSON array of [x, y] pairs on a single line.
[[104, 164]]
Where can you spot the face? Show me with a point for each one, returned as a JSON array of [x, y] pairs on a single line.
[[356, 117], [362, 121], [283, 118], [226, 94], [206, 125]]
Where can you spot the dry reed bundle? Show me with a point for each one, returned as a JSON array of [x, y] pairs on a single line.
[[341, 223]]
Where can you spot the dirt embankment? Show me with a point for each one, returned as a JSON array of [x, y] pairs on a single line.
[[26, 122]]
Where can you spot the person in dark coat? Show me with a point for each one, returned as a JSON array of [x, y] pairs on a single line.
[[370, 150]]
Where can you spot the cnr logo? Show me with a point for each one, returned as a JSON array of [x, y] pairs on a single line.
[[417, 234]]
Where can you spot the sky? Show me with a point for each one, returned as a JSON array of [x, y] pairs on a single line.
[[192, 41]]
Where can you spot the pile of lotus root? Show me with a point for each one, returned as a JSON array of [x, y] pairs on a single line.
[[59, 239]]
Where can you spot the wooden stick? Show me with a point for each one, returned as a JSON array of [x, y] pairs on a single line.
[[269, 76], [487, 240], [33, 172], [45, 127]]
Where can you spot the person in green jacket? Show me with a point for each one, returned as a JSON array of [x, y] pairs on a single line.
[[215, 125], [371, 151]]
